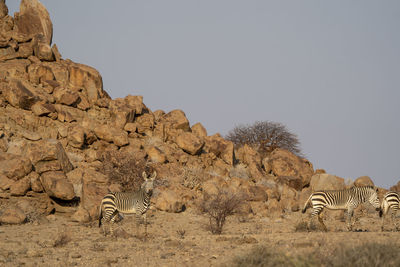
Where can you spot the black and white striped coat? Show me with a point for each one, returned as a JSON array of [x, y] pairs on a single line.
[[390, 201], [346, 199], [137, 202]]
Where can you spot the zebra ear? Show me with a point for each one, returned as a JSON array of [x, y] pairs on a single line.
[[154, 175], [144, 175]]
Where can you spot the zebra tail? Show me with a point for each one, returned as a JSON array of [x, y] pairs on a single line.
[[306, 205], [383, 208]]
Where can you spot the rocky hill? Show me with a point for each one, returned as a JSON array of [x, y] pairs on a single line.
[[64, 143]]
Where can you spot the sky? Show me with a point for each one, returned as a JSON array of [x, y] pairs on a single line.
[[328, 70]]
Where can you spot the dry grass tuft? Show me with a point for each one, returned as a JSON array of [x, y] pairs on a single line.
[[62, 239]]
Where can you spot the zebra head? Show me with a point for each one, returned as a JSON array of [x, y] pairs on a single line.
[[148, 184], [373, 198]]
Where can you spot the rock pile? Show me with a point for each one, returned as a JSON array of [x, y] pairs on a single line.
[[56, 123]]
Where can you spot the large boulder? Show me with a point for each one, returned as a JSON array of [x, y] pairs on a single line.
[[363, 181], [56, 184], [326, 181], [92, 194], [176, 119], [219, 147], [252, 159], [189, 142], [32, 19], [20, 187], [48, 155], [12, 215], [168, 200], [285, 163], [19, 96], [199, 130], [14, 166]]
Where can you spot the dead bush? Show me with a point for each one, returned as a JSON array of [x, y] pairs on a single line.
[[62, 239], [265, 137], [219, 206], [303, 226], [124, 169]]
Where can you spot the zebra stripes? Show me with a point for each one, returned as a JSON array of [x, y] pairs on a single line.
[[127, 203], [390, 201], [346, 199]]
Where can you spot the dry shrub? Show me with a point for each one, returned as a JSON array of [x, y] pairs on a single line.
[[124, 169], [370, 254], [265, 137], [192, 177], [219, 206], [240, 171], [62, 239], [303, 226]]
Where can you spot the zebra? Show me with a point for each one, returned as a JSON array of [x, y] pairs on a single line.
[[391, 200], [346, 199], [137, 202]]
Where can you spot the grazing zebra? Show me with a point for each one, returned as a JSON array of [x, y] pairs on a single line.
[[346, 199], [391, 200], [128, 203]]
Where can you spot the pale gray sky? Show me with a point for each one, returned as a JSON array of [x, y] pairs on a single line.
[[328, 70]]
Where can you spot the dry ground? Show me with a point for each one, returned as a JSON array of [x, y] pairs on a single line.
[[174, 240]]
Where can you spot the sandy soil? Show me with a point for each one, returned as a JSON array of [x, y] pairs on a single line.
[[173, 240]]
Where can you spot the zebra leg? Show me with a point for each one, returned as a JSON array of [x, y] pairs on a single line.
[[394, 211], [112, 221], [321, 221], [349, 216], [138, 219]]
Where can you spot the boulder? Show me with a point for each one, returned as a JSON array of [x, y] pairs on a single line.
[[112, 135], [36, 184], [43, 151], [81, 216], [76, 136], [20, 187], [19, 96], [326, 181], [12, 215], [13, 166], [5, 182], [396, 187], [65, 96], [92, 194], [32, 19], [145, 123], [219, 147], [42, 109], [56, 184], [252, 159], [363, 181], [292, 181], [3, 9], [156, 155], [199, 130], [169, 201], [176, 119], [285, 163], [189, 142]]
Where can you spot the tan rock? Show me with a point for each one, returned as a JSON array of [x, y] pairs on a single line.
[[219, 147], [76, 136], [199, 130], [326, 181], [252, 159], [5, 182], [33, 19], [56, 184], [3, 9], [169, 201], [363, 181], [19, 96], [189, 143], [41, 49], [65, 96], [68, 114], [156, 155], [109, 134], [13, 166], [20, 187], [81, 216], [47, 165], [12, 215], [48, 150], [92, 194], [145, 123], [36, 184], [14, 69], [176, 119], [158, 114], [285, 163], [130, 127], [291, 181], [42, 109]]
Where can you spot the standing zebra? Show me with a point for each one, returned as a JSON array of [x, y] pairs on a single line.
[[391, 200], [128, 203], [346, 199]]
